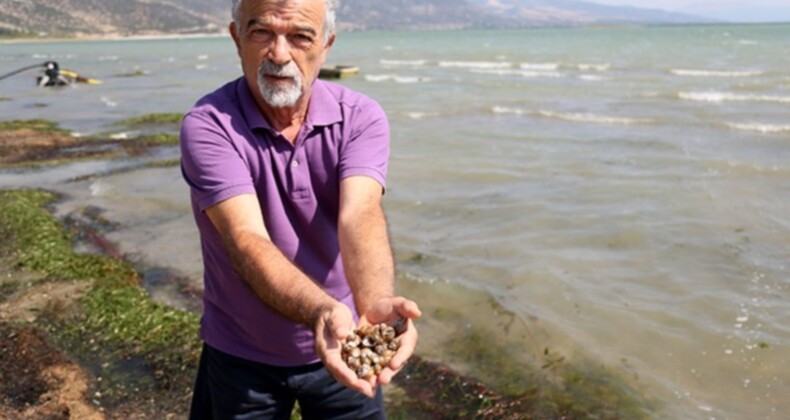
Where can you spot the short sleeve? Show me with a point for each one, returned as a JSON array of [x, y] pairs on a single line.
[[366, 152], [212, 167]]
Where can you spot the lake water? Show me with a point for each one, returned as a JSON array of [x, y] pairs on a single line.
[[616, 194]]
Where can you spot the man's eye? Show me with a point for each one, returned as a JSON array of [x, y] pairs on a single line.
[[260, 33], [303, 38]]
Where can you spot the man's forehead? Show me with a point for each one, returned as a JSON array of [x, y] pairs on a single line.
[[268, 11], [285, 5]]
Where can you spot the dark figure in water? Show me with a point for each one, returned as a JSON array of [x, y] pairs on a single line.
[[52, 76]]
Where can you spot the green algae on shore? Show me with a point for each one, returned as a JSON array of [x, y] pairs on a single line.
[[30, 143], [155, 118], [114, 315], [44, 126]]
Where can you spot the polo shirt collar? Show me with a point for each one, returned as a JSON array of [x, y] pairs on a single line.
[[323, 109]]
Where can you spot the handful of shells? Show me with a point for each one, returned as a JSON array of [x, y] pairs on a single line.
[[369, 348]]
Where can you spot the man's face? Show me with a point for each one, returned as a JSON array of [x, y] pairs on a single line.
[[281, 46]]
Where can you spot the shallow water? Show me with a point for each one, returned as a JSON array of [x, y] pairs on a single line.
[[623, 193]]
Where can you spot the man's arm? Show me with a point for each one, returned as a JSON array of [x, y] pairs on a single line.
[[364, 242], [282, 286], [273, 278], [368, 261]]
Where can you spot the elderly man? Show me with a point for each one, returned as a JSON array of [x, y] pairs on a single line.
[[286, 174]]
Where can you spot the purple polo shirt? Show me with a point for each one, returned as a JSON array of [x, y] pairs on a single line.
[[228, 148]]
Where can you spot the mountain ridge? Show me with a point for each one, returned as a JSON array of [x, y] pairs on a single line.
[[151, 17]]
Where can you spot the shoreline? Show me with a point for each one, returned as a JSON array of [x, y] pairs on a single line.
[[115, 38], [463, 367], [225, 33]]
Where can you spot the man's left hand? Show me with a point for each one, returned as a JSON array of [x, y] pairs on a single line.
[[394, 310]]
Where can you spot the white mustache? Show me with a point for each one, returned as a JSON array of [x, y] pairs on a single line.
[[268, 68]]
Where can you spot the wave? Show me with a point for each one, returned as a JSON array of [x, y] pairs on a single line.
[[592, 77], [592, 118], [396, 63], [715, 73], [109, 103], [476, 64], [728, 96], [573, 117], [594, 67], [761, 128], [377, 78], [202, 57], [515, 72], [420, 115], [539, 66], [506, 110]]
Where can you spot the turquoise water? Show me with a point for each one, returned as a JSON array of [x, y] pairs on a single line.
[[623, 192]]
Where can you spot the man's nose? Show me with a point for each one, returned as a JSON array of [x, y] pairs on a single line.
[[280, 53]]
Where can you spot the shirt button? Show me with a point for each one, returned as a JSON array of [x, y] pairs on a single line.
[[295, 163]]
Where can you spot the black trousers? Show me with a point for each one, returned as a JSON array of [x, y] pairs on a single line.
[[228, 387]]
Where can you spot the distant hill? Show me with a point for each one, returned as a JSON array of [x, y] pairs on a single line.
[[138, 17]]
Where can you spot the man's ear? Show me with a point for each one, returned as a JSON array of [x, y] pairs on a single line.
[[234, 33], [330, 42]]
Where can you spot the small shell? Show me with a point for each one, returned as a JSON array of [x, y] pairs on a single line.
[[354, 363], [394, 344], [366, 353], [388, 333], [375, 359], [365, 330], [386, 356], [350, 345], [365, 372]]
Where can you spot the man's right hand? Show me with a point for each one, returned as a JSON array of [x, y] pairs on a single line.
[[332, 326]]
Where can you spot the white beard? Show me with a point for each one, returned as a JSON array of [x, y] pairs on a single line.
[[281, 94]]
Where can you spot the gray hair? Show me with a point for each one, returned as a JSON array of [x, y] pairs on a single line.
[[331, 7]]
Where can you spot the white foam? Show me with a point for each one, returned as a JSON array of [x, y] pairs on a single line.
[[594, 67], [747, 42], [108, 102], [729, 96], [201, 66], [515, 72], [476, 64], [109, 58], [101, 188], [420, 115], [592, 77], [715, 73], [377, 78], [506, 110], [761, 128], [202, 57], [397, 63], [540, 66], [591, 118]]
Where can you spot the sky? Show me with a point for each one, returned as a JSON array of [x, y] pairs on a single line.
[[725, 10]]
